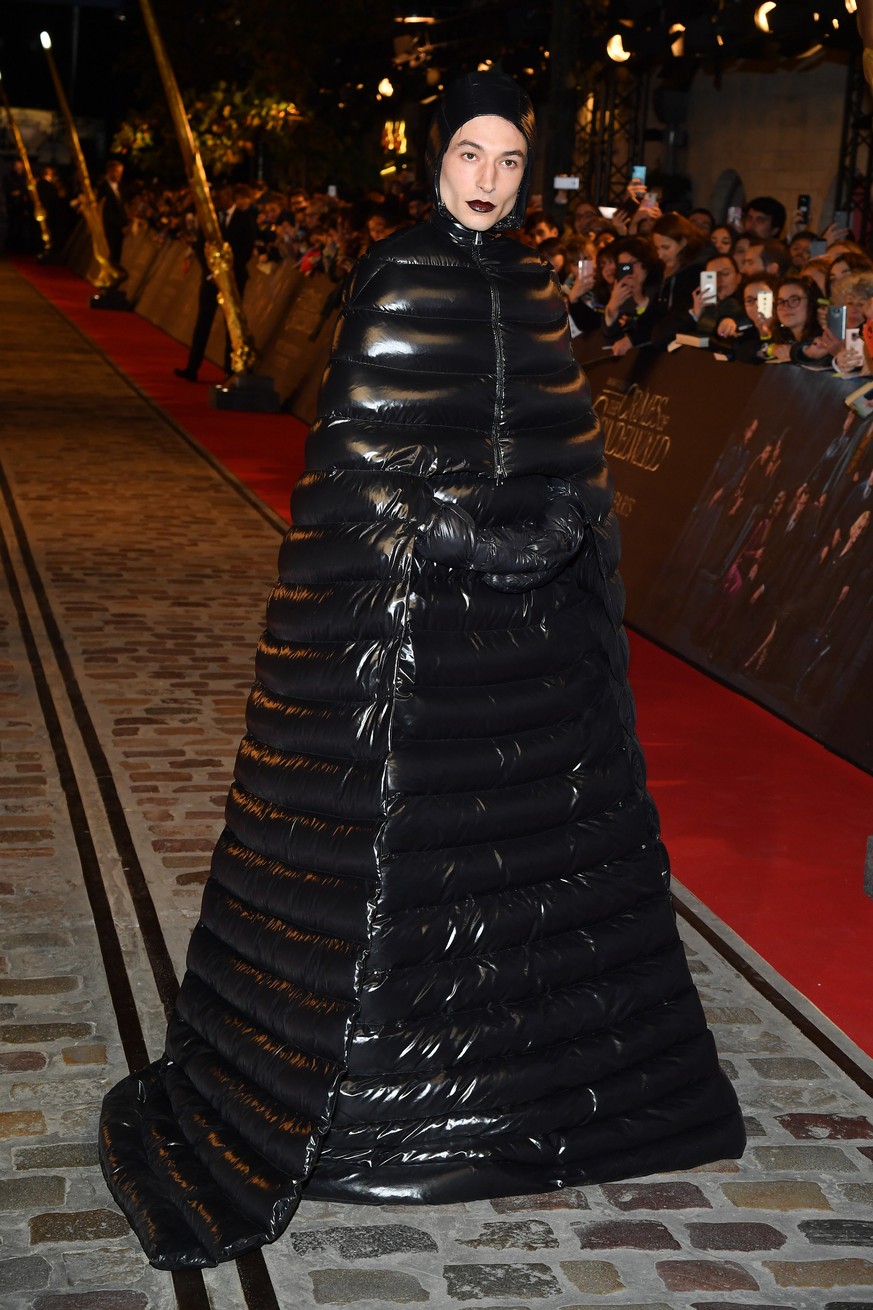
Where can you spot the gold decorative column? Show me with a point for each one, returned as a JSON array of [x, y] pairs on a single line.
[[219, 257], [38, 211], [107, 275]]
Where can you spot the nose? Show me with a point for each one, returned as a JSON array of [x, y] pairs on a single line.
[[487, 179]]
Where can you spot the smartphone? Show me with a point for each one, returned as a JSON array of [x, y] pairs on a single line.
[[638, 173], [804, 206], [623, 269], [585, 267], [817, 248], [837, 321], [841, 218], [735, 216], [331, 191], [651, 200], [854, 345], [765, 304], [709, 286], [564, 183]]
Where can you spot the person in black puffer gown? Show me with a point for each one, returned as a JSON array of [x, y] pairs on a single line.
[[437, 959]]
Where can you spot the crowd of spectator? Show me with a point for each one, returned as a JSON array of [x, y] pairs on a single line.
[[771, 291]]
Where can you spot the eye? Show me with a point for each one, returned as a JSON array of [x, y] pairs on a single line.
[[510, 163]]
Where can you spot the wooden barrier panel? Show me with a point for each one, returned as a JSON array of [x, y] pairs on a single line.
[[746, 502], [299, 348], [169, 293]]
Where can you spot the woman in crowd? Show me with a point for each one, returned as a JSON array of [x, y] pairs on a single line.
[[748, 336], [797, 336], [678, 246], [630, 310], [722, 238], [437, 958]]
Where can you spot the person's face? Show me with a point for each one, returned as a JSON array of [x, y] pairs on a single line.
[[377, 227], [799, 250], [854, 311], [668, 251], [839, 268], [114, 171], [701, 221], [482, 170], [557, 262], [722, 240], [751, 261], [741, 244], [637, 275], [542, 232], [750, 299], [583, 215], [606, 264], [224, 198], [727, 279], [791, 307], [758, 224], [859, 526]]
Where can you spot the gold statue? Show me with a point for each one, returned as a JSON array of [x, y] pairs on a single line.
[[38, 211], [108, 274]]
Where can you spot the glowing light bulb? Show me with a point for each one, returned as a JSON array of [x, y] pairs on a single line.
[[762, 15], [385, 87], [616, 50], [45, 40]]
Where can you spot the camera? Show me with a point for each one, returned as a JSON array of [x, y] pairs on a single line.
[[837, 321], [564, 183], [708, 286], [765, 304]]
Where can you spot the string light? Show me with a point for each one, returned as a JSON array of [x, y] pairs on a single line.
[[762, 15], [615, 49]]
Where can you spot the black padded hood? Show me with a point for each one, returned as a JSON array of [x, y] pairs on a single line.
[[470, 97]]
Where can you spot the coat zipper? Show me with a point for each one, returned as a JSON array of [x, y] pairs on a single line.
[[499, 466]]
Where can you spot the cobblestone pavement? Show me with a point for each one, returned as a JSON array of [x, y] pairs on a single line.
[[136, 578]]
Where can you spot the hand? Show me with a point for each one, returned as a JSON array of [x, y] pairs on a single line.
[[645, 213], [832, 344], [727, 328], [833, 233], [635, 190], [622, 346], [583, 283], [782, 354], [698, 303], [820, 347]]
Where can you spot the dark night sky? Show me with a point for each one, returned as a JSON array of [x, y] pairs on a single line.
[[91, 89]]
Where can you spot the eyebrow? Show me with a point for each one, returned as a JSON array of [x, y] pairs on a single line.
[[476, 146]]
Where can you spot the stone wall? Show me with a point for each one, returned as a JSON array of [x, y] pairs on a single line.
[[779, 130]]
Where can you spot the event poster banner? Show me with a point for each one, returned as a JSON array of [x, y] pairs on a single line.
[[748, 542]]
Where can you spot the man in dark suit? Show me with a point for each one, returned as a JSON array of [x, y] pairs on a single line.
[[112, 209], [238, 222]]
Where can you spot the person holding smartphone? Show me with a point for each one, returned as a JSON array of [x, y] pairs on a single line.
[[746, 336], [678, 246], [629, 312], [797, 336]]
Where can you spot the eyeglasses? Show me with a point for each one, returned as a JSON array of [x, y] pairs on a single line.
[[790, 302]]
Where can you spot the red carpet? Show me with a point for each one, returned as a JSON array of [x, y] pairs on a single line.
[[263, 450], [764, 826]]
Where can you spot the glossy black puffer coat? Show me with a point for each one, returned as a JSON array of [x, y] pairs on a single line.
[[437, 958]]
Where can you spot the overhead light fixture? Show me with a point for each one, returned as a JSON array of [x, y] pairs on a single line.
[[762, 15], [615, 49], [385, 87], [45, 40], [484, 66], [851, 6], [416, 18]]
